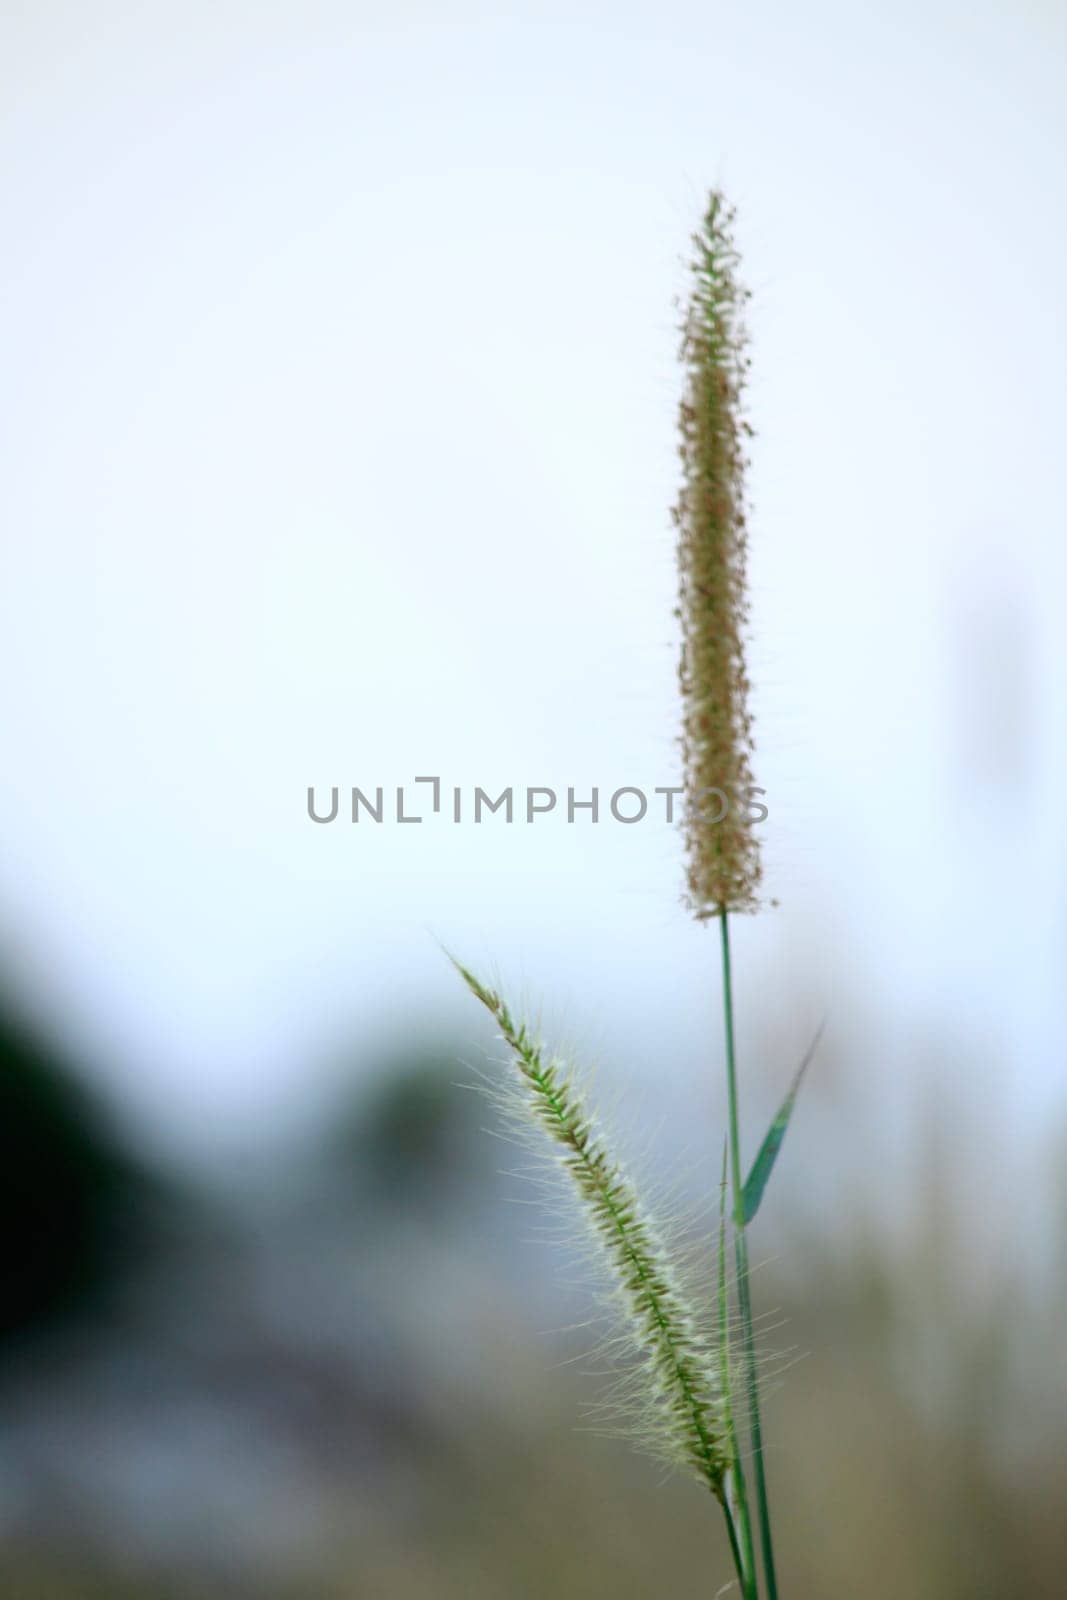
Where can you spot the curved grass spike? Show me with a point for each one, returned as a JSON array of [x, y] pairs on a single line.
[[683, 1369]]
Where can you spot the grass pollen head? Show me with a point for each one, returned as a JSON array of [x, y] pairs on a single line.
[[722, 850]]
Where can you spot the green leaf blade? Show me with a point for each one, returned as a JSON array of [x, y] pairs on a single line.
[[763, 1165]]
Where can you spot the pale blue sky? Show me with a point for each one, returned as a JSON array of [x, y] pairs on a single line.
[[338, 400]]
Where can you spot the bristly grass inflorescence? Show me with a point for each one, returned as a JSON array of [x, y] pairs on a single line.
[[723, 859], [686, 1407]]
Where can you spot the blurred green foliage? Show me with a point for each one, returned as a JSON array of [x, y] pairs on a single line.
[[71, 1196], [919, 1448]]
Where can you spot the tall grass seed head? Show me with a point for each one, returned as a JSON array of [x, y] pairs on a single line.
[[723, 860]]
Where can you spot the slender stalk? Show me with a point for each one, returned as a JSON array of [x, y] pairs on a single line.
[[739, 1528], [742, 1577], [741, 1252], [736, 1504]]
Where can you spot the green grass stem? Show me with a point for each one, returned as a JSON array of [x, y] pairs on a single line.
[[737, 1493], [741, 1253]]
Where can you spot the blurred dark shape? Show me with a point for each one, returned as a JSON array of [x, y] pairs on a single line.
[[69, 1193], [414, 1136]]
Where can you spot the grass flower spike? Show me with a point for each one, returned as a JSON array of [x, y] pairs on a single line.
[[723, 855], [678, 1364]]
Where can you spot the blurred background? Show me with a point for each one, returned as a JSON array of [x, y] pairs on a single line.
[[338, 401]]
